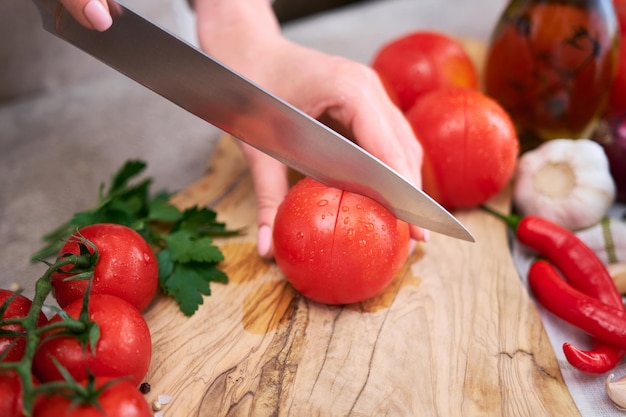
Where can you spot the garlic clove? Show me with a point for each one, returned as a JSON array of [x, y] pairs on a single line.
[[618, 273], [616, 391]]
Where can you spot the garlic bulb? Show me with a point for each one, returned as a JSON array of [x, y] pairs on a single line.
[[565, 181], [616, 391]]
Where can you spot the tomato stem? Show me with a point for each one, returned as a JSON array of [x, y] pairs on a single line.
[[511, 220]]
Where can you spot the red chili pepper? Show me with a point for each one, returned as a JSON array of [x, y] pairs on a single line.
[[583, 270], [577, 262], [596, 318], [602, 358]]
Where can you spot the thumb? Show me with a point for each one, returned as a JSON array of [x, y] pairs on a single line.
[[269, 178]]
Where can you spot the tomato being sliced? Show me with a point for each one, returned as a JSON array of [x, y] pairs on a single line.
[[120, 399], [124, 348], [12, 347], [337, 247], [127, 267]]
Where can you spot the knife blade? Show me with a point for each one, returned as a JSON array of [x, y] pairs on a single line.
[[195, 81]]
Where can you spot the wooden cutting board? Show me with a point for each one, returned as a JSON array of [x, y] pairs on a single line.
[[455, 334]]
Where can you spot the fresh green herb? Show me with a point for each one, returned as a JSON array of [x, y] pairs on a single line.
[[183, 241]]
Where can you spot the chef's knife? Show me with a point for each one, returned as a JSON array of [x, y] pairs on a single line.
[[196, 82]]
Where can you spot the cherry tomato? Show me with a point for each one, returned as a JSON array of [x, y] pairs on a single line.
[[10, 394], [121, 399], [12, 347], [470, 146], [127, 267], [422, 61], [123, 350], [337, 247]]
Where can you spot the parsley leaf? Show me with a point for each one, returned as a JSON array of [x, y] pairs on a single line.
[[182, 240], [187, 281], [185, 246]]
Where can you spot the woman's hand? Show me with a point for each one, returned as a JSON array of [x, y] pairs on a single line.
[[93, 14], [348, 96]]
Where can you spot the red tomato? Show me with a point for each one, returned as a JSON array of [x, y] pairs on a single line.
[[12, 346], [123, 350], [127, 267], [337, 247], [423, 61], [470, 146], [120, 399], [616, 105], [10, 394]]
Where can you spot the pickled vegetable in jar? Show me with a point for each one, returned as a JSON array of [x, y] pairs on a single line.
[[551, 63]]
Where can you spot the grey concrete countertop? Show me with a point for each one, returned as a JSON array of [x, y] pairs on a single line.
[[68, 122]]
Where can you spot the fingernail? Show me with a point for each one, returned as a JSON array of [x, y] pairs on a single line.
[[264, 241], [97, 15], [426, 235]]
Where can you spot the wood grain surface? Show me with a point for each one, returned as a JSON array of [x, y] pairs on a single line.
[[455, 334]]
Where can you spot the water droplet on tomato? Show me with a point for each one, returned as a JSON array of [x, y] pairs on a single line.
[[369, 227], [346, 220], [322, 203], [351, 234], [362, 243], [299, 235], [345, 208]]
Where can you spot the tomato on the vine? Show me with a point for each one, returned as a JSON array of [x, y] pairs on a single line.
[[127, 267], [12, 347], [422, 61], [470, 146], [337, 247], [124, 348], [10, 394], [119, 399]]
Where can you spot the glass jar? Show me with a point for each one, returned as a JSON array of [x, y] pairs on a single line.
[[551, 63]]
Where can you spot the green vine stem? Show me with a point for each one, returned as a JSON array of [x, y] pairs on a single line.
[[83, 264]]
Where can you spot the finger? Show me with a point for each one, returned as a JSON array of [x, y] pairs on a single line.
[[380, 127], [93, 14], [271, 185]]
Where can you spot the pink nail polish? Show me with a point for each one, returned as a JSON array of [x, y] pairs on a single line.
[[97, 15], [264, 241]]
